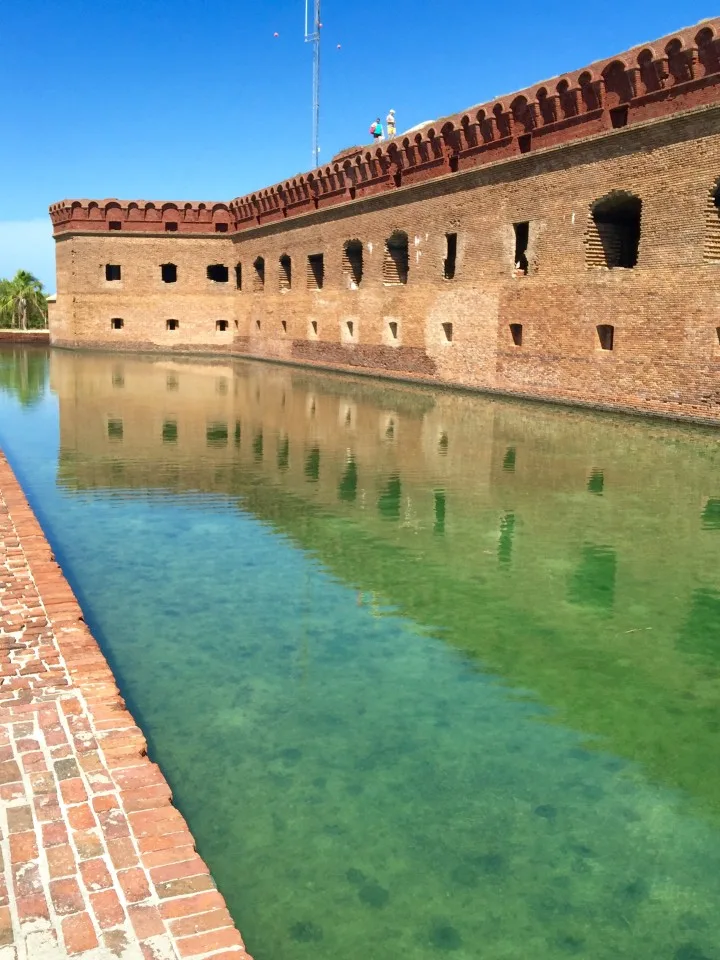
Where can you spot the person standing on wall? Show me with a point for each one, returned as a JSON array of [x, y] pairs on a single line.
[[376, 130], [391, 128]]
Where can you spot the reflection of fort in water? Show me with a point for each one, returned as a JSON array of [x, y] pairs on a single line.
[[573, 522]]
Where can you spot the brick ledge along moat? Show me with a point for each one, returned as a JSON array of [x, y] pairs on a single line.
[[561, 243]]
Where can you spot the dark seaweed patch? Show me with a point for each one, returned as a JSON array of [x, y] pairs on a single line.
[[305, 931]]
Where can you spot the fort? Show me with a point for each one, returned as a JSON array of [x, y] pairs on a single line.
[[561, 243]]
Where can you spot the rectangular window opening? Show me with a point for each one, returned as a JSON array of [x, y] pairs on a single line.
[[218, 273], [221, 326], [396, 263], [171, 226], [717, 334], [170, 431], [172, 324], [315, 271], [606, 335], [117, 323], [216, 434], [238, 276], [115, 225], [115, 429], [168, 273], [516, 332], [259, 277], [221, 228], [522, 239], [619, 116], [525, 143], [112, 271], [450, 255], [285, 277], [448, 331], [352, 263]]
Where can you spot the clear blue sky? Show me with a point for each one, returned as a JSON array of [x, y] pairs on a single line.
[[195, 99]]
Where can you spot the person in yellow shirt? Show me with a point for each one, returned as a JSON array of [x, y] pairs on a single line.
[[391, 129]]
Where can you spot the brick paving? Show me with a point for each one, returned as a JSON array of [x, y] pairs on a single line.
[[95, 862]]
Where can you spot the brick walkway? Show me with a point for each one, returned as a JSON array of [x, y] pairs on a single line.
[[95, 861]]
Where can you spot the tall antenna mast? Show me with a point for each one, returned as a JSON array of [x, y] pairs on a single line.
[[312, 35]]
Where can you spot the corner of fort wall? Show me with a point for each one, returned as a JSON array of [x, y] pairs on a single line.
[[560, 244]]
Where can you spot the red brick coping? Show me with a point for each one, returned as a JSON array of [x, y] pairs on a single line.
[[41, 337], [95, 860]]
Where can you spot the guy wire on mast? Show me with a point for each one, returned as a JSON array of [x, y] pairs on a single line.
[[313, 36]]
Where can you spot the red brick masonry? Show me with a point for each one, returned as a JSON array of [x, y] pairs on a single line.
[[95, 860], [38, 337]]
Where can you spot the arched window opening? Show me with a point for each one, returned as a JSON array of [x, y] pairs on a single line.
[[259, 274], [168, 273], [352, 263], [613, 235], [218, 273], [396, 261], [285, 272], [711, 252], [606, 335], [315, 271]]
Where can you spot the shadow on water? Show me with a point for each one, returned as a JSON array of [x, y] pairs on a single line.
[[429, 673]]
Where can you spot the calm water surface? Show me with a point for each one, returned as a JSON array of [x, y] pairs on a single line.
[[429, 673]]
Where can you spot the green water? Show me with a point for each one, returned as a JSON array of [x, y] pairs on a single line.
[[429, 673]]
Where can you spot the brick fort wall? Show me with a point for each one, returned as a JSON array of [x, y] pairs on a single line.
[[561, 244]]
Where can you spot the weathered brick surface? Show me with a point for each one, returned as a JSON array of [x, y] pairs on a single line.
[[666, 354], [75, 880]]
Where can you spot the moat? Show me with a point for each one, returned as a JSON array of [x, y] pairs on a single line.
[[429, 673]]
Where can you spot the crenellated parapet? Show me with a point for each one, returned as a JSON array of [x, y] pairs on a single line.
[[141, 216], [651, 81]]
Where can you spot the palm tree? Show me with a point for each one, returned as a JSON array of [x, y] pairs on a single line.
[[22, 302]]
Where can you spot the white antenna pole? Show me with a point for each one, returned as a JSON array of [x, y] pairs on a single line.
[[313, 36]]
